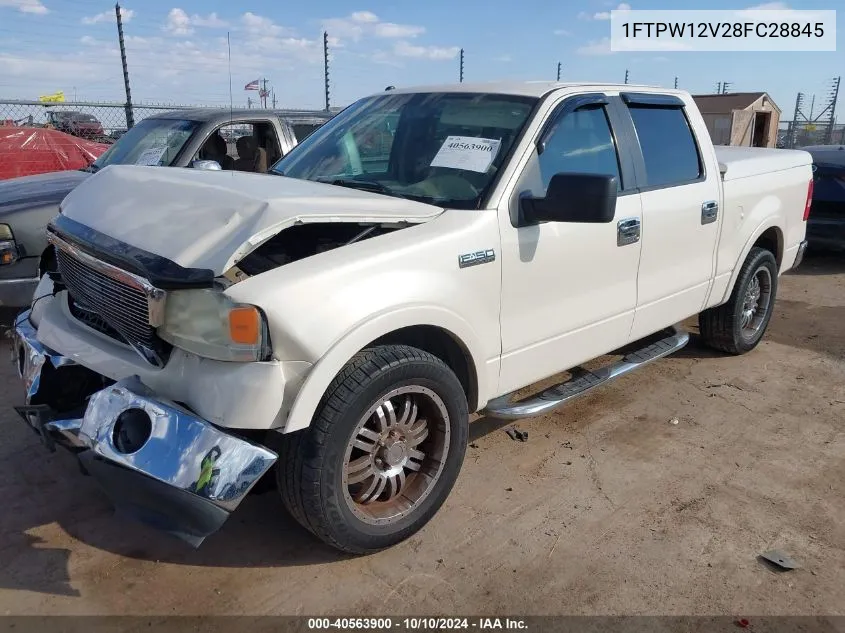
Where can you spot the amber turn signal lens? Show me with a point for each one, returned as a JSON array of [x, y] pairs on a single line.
[[245, 325]]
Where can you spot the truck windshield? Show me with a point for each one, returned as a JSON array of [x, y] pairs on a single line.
[[440, 148], [149, 142]]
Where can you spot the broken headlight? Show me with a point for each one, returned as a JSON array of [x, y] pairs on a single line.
[[209, 324]]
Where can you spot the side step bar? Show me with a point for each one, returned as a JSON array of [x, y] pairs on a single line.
[[582, 380]]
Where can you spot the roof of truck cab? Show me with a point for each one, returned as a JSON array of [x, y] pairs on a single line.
[[528, 88], [221, 115]]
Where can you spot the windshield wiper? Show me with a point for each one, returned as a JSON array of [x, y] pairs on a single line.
[[352, 183]]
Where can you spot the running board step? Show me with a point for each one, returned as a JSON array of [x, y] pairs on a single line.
[[582, 380]]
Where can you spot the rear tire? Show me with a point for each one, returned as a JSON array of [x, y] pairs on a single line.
[[737, 326], [382, 453]]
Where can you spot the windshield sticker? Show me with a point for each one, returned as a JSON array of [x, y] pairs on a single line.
[[467, 152], [151, 157]]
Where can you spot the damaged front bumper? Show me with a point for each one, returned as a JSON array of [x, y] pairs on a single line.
[[157, 462]]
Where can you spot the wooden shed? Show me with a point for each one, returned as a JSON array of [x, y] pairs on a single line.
[[747, 119]]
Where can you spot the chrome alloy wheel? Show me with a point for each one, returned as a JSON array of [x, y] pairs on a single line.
[[755, 305], [396, 454]]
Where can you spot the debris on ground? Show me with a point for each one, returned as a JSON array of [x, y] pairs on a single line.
[[509, 489], [517, 435], [473, 445], [779, 559], [674, 421]]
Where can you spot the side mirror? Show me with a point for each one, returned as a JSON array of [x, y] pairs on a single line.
[[573, 198], [206, 164]]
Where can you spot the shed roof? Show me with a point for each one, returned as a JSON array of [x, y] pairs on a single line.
[[728, 102]]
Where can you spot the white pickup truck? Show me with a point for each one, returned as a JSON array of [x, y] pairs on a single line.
[[421, 256]]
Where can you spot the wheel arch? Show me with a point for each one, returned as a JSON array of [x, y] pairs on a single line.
[[435, 330], [768, 235]]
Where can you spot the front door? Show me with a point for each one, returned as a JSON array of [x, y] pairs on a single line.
[[569, 290]]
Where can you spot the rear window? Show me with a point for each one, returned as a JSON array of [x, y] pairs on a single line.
[[668, 145], [303, 130]]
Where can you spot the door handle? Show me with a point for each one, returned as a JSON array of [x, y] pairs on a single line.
[[709, 211], [627, 231]]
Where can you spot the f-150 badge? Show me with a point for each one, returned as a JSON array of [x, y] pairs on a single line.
[[476, 258]]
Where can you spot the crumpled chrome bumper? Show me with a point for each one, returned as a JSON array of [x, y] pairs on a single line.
[[158, 462], [30, 356]]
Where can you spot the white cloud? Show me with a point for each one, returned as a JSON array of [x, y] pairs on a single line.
[[437, 53], [259, 26], [365, 17], [210, 21], [769, 6], [390, 30], [26, 6], [562, 32], [605, 15], [596, 47], [776, 11], [363, 23], [109, 16], [180, 23]]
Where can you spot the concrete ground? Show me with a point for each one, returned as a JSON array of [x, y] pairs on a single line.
[[608, 508]]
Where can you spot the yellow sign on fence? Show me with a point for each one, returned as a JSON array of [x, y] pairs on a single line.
[[56, 97]]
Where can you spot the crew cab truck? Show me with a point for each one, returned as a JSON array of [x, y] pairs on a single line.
[[332, 326]]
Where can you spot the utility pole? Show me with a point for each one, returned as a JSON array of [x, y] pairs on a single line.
[[832, 105], [725, 85], [558, 71], [626, 75], [326, 66], [249, 102], [263, 94], [274, 98], [718, 87], [676, 83], [130, 117], [461, 75]]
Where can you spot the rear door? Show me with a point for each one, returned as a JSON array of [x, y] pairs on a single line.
[[680, 197]]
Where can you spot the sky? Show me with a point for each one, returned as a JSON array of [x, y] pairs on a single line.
[[177, 49]]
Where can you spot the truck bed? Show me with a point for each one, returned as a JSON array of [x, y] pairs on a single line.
[[742, 162]]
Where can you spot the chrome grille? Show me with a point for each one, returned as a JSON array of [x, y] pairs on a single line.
[[124, 302]]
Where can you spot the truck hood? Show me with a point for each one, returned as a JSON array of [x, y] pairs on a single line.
[[37, 191], [211, 219]]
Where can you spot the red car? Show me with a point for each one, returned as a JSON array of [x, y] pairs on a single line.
[[76, 123]]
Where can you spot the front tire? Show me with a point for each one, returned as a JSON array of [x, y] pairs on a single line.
[[737, 326], [382, 453]]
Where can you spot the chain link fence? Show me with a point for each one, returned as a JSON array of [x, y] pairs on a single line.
[[102, 122], [796, 134]]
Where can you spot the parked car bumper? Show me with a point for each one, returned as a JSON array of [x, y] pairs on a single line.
[[158, 462], [18, 282], [823, 233], [17, 293]]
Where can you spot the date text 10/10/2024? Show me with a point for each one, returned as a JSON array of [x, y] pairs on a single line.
[[416, 623]]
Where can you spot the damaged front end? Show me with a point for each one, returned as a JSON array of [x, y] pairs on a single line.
[[158, 462]]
